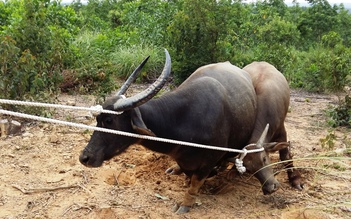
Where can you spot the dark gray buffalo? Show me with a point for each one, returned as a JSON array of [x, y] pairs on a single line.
[[216, 105], [273, 97]]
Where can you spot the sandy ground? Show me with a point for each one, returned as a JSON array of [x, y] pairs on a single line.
[[41, 176]]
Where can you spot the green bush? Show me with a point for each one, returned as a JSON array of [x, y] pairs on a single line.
[[35, 47], [149, 19], [90, 72], [125, 60], [327, 66], [98, 73], [15, 69], [18, 71], [341, 114], [19, 77], [193, 36]]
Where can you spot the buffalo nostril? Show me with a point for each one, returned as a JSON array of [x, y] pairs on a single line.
[[84, 159], [270, 188]]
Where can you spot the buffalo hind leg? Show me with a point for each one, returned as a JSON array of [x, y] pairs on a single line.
[[293, 174], [190, 196], [284, 155]]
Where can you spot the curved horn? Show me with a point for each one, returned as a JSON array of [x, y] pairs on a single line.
[[142, 97], [131, 78], [260, 141]]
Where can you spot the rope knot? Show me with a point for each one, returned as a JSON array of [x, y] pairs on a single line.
[[96, 110], [239, 164]]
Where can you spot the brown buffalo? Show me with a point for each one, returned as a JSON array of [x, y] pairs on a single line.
[[273, 97]]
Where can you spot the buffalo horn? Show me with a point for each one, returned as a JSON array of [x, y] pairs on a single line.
[[131, 78], [262, 139], [142, 97]]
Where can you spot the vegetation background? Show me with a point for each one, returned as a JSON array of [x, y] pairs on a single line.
[[47, 47]]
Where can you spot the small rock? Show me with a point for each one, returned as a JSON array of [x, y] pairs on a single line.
[[339, 151], [298, 99], [10, 127], [304, 213], [55, 179], [71, 103], [54, 139], [27, 134], [15, 127], [345, 208], [161, 197]]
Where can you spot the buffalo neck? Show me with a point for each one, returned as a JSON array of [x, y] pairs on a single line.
[[161, 119]]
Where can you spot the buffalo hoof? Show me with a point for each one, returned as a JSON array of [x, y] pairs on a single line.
[[296, 181], [297, 185], [181, 209], [174, 170]]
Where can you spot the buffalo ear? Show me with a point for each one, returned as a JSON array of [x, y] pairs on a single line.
[[275, 146], [138, 123]]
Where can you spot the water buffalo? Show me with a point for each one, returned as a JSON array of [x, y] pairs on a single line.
[[273, 97], [216, 105]]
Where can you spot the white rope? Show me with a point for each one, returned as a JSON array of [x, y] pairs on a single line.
[[146, 137], [239, 164], [95, 109]]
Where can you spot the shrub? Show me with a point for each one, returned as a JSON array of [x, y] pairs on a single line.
[[341, 114], [126, 59], [327, 69], [193, 36], [19, 77], [97, 74], [329, 141], [35, 48]]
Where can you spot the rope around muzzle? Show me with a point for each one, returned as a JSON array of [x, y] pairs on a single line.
[[98, 109]]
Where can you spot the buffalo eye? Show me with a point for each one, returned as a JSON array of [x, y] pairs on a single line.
[[108, 121], [264, 159]]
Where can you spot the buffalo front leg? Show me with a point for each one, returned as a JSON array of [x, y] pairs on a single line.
[[293, 174], [190, 196], [174, 170]]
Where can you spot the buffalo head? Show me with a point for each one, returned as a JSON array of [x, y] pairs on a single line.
[[103, 146], [259, 164]]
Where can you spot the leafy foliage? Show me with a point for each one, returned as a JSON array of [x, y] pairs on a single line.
[[127, 59], [317, 20], [277, 38], [327, 68], [329, 141], [19, 79], [341, 114], [193, 35], [86, 47], [34, 48]]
